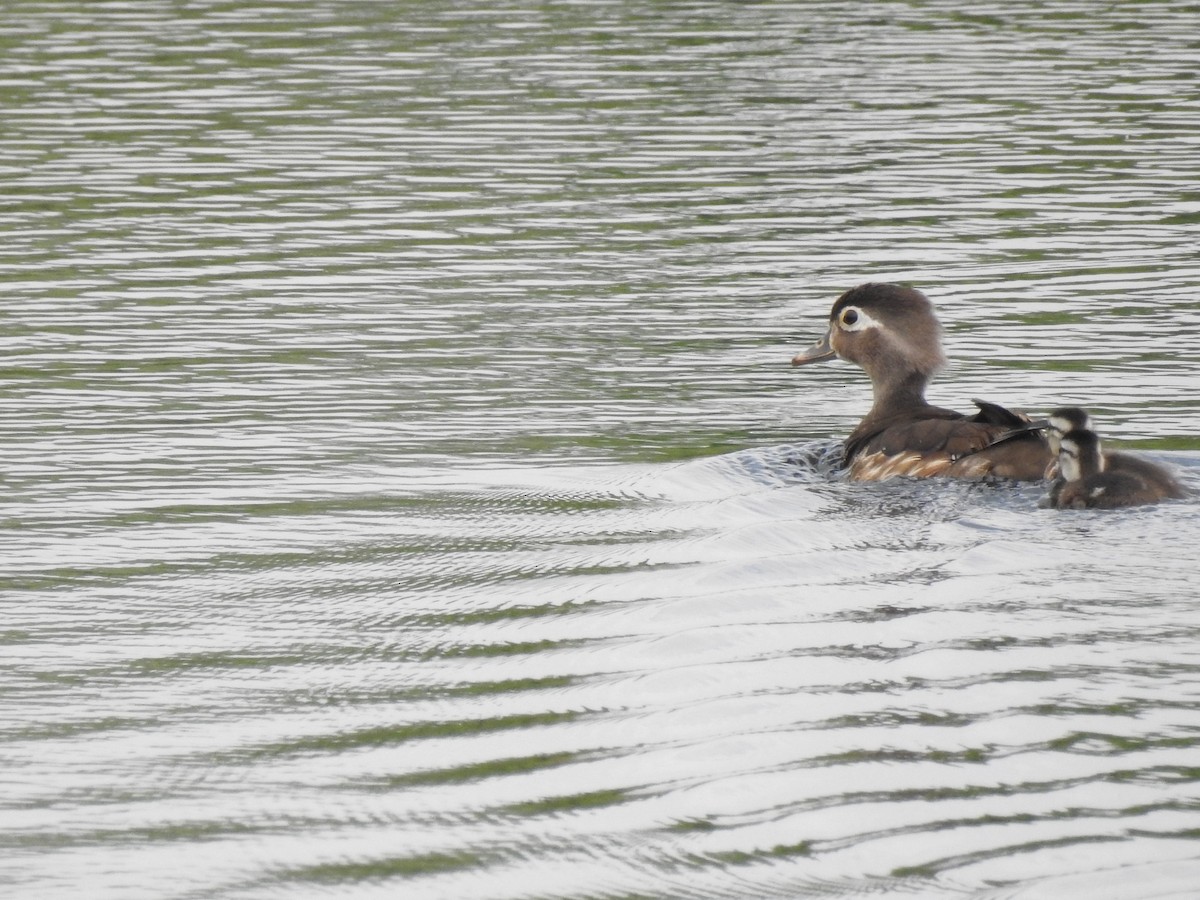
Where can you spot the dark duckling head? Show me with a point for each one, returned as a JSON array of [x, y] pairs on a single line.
[[1079, 454], [1063, 421]]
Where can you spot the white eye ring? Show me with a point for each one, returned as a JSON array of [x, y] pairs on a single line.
[[852, 318]]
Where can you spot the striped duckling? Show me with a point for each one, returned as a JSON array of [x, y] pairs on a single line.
[[1158, 483]]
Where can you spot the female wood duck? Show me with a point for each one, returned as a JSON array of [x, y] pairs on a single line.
[[891, 332], [1070, 419], [1088, 483]]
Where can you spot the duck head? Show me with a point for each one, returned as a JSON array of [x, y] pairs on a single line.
[[889, 331], [1063, 421], [1079, 454]]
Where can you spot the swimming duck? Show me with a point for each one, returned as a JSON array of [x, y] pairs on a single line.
[[1088, 483], [1067, 419], [892, 333]]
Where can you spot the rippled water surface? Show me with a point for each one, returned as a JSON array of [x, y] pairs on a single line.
[[406, 492]]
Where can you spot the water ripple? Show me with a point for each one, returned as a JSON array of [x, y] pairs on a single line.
[[406, 489]]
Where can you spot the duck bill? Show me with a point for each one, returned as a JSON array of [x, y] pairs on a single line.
[[818, 352]]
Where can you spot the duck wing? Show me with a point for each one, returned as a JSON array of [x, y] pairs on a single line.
[[952, 445], [995, 414]]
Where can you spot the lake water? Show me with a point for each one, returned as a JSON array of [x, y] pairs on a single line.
[[406, 492]]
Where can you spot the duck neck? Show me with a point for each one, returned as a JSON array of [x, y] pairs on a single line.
[[899, 390]]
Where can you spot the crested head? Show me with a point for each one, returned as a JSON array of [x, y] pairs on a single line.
[[1079, 454], [889, 330]]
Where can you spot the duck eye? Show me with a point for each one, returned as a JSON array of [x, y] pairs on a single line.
[[849, 316]]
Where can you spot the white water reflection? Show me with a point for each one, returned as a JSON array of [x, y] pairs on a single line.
[[406, 488]]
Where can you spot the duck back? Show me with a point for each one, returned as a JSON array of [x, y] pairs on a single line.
[[941, 442]]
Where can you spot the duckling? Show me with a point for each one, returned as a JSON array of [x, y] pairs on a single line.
[[892, 333], [1087, 482], [1071, 418]]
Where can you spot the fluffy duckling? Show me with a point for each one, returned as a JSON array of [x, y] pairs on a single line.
[[1067, 419], [1088, 483]]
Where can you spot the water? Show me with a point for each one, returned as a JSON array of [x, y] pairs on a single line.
[[406, 491]]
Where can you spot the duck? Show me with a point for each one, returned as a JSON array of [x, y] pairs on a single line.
[[892, 333], [1087, 482], [1068, 419]]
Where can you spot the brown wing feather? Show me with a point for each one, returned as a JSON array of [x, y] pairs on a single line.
[[933, 437], [959, 448]]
